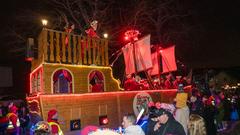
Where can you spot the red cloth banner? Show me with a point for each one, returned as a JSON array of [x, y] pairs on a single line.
[[143, 54], [155, 62], [168, 59], [128, 58]]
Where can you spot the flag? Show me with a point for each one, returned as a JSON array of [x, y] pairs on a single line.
[[128, 58], [155, 69], [143, 54], [168, 59]]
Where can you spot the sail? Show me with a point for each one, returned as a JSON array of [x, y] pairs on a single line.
[[168, 59], [143, 54]]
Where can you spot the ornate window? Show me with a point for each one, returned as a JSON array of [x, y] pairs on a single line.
[[62, 81], [96, 81]]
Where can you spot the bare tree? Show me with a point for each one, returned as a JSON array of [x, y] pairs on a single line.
[[166, 20]]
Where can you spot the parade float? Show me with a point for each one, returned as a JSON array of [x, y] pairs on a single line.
[[72, 74]]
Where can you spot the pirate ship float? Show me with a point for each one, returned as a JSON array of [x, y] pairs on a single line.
[[64, 75]]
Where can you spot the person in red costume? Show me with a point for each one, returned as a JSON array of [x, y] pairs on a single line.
[[91, 32], [144, 84], [130, 84], [14, 124], [53, 122], [98, 86], [168, 83], [177, 81]]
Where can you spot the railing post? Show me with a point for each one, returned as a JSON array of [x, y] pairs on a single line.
[[94, 51], [106, 52], [51, 47], [57, 47], [69, 49], [74, 50], [63, 47], [98, 52], [79, 50], [45, 45], [85, 46], [102, 52], [89, 51]]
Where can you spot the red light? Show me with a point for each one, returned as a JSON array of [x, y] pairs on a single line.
[[103, 120], [131, 35], [29, 59], [161, 51]]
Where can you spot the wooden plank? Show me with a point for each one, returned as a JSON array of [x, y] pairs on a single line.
[[85, 46], [89, 50], [106, 53], [94, 50], [102, 52], [69, 49], [79, 47], [74, 50], [45, 45], [63, 47], [57, 47], [96, 43], [51, 47]]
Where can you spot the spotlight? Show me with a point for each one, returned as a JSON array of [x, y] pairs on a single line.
[[105, 35]]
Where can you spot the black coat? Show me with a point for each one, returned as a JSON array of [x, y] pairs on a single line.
[[172, 127]]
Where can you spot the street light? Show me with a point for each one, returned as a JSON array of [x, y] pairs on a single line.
[[44, 22], [105, 35]]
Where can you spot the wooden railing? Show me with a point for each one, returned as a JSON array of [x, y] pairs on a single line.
[[61, 47]]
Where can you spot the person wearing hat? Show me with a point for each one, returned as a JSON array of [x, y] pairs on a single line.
[[53, 122], [13, 124], [163, 123], [91, 32]]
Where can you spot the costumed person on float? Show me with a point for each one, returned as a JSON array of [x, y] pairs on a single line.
[[68, 29], [14, 123], [91, 32], [53, 122], [167, 82], [177, 81], [97, 86], [182, 111], [130, 83]]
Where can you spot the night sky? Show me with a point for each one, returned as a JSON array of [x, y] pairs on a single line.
[[218, 45]]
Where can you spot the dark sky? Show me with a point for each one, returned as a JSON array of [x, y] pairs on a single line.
[[218, 45]]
